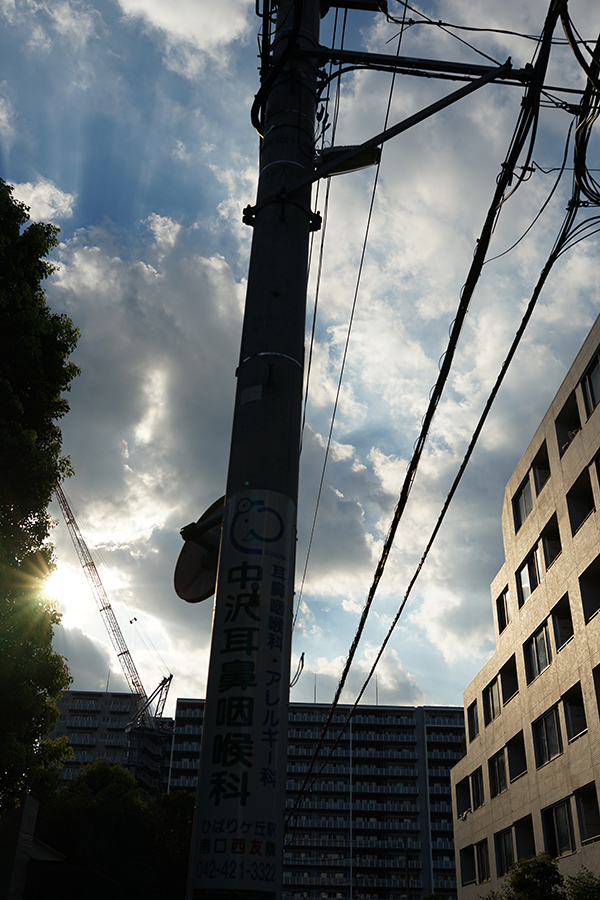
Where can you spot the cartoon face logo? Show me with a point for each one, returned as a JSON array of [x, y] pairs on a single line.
[[254, 524]]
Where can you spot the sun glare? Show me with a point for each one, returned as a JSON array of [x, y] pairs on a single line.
[[69, 590]]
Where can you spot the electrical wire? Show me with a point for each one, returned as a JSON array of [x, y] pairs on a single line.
[[345, 352], [526, 125]]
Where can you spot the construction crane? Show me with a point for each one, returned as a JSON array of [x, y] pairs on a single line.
[[144, 703]]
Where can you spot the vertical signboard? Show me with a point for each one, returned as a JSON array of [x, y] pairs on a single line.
[[238, 829]]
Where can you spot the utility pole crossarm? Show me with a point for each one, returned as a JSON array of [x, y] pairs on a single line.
[[490, 74], [112, 626], [418, 66]]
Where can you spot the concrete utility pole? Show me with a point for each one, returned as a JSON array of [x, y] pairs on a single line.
[[237, 847]]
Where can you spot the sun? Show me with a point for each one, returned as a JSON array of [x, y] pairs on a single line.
[[68, 588]]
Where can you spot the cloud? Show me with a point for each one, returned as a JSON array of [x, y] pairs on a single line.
[[91, 664], [144, 125], [192, 30], [45, 200], [74, 22], [7, 115]]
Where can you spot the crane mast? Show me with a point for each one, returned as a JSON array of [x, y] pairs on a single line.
[[118, 641]]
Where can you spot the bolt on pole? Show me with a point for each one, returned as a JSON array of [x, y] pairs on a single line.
[[237, 844]]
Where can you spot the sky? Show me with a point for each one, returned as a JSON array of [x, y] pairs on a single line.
[[127, 123]]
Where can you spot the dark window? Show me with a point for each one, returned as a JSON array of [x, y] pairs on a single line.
[[517, 760], [546, 737], [522, 503], [558, 829], [541, 468], [503, 610], [574, 712], [551, 541], [504, 851], [589, 585], [596, 675], [524, 838], [538, 654], [463, 797], [508, 679], [586, 799], [529, 575], [467, 865], [491, 701], [567, 423], [483, 861], [591, 385], [473, 721], [562, 621], [498, 780], [477, 788], [580, 500]]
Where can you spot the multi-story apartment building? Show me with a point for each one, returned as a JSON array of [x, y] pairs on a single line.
[[529, 780], [377, 822], [96, 726]]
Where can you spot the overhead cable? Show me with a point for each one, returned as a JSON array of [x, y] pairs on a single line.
[[526, 124]]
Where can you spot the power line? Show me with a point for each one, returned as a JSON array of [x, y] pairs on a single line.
[[526, 124]]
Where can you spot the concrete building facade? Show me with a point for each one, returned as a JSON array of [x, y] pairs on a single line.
[[529, 780], [377, 823]]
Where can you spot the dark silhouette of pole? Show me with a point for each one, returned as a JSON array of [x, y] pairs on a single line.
[[237, 846]]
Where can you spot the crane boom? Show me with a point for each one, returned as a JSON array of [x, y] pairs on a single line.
[[112, 626]]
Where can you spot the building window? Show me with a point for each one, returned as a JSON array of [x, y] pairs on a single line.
[[522, 503], [509, 680], [467, 865], [558, 829], [538, 654], [541, 468], [504, 851], [589, 585], [498, 780], [550, 540], [562, 622], [517, 759], [574, 712], [473, 721], [591, 385], [463, 797], [580, 501], [567, 424], [529, 575], [491, 701], [524, 838], [483, 861], [477, 788], [546, 737], [503, 610], [588, 813]]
